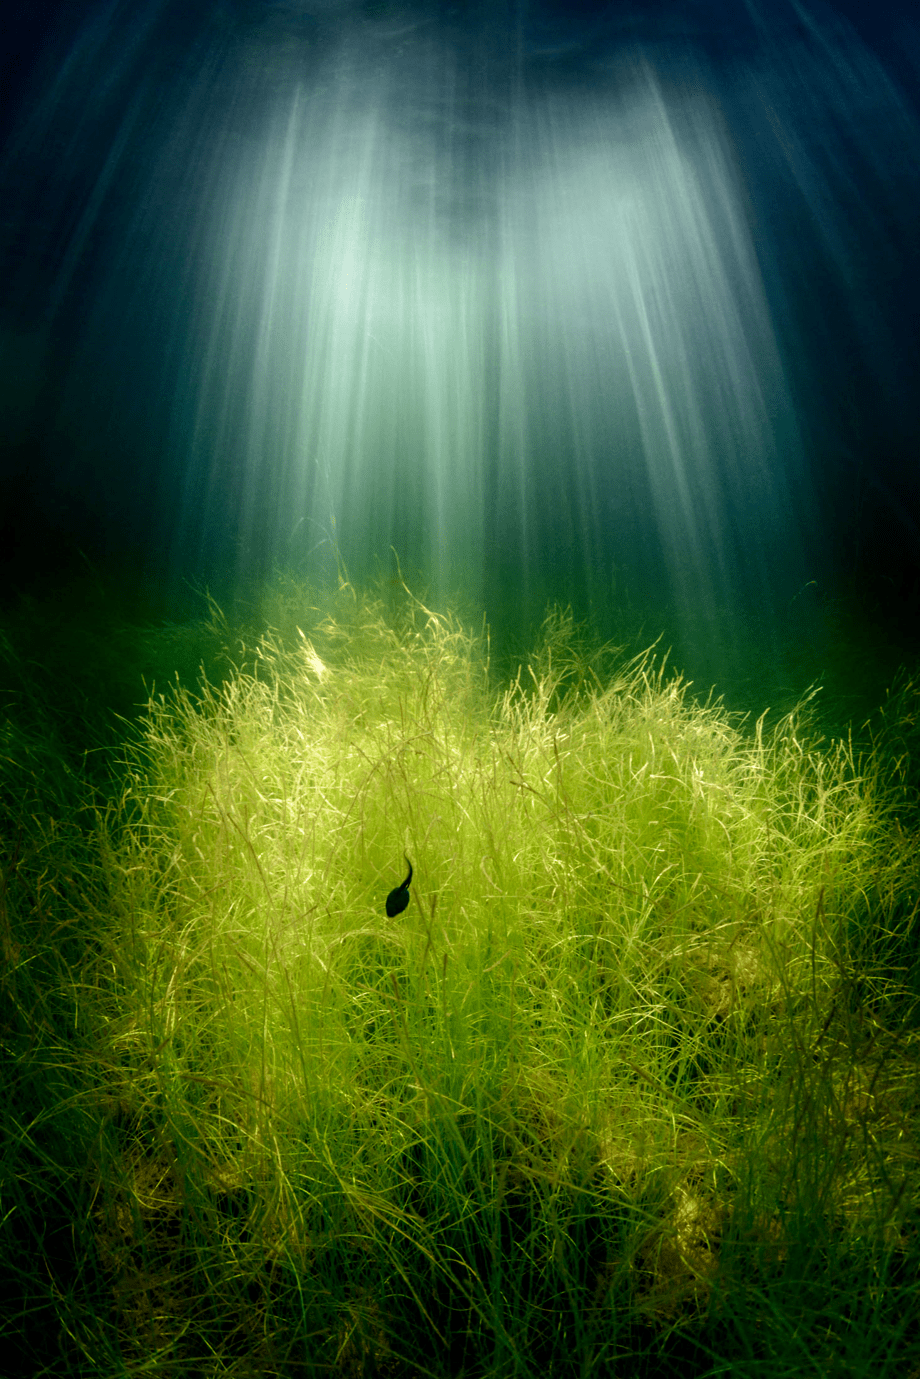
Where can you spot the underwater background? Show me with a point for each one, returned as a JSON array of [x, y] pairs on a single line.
[[607, 306], [459, 690]]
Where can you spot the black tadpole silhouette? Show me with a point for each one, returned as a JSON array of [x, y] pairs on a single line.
[[398, 900]]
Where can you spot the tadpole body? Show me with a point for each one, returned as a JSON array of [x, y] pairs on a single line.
[[398, 899]]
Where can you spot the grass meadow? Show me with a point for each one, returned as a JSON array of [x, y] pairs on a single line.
[[629, 1089]]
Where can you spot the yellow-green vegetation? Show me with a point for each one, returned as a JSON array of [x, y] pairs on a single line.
[[629, 1089]]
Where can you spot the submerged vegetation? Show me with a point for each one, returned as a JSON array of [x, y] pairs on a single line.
[[629, 1087]]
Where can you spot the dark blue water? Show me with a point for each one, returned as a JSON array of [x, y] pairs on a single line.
[[613, 307]]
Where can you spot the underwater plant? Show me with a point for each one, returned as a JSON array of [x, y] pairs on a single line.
[[635, 1092]]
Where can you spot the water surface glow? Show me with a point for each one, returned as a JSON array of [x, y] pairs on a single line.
[[335, 283]]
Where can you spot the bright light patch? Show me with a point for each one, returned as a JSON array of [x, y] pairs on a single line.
[[542, 340]]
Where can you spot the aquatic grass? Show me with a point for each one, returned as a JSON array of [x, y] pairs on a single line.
[[627, 1086]]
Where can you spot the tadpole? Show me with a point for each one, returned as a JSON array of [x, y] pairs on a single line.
[[398, 899]]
